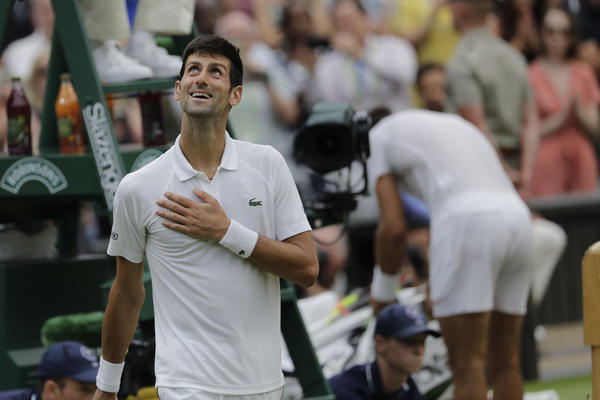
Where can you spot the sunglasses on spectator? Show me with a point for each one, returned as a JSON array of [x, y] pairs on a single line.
[[556, 31]]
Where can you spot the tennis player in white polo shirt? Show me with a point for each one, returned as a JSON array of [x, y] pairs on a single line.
[[219, 221], [480, 252]]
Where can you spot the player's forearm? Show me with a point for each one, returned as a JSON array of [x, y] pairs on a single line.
[[390, 248], [120, 321], [294, 259]]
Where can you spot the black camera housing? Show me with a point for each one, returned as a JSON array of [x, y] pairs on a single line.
[[332, 139]]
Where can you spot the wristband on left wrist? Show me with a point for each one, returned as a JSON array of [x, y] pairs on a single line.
[[239, 239]]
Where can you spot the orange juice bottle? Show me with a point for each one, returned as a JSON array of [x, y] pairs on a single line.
[[68, 116]]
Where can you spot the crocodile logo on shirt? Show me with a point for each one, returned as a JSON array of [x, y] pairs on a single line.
[[253, 203]]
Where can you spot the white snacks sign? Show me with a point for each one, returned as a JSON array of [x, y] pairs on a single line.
[[103, 147]]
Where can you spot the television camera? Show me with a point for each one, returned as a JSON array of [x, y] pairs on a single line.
[[333, 142]]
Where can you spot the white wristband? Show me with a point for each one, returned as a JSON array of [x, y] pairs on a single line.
[[239, 239], [383, 286], [109, 376]]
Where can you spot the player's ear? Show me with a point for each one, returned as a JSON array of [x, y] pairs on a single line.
[[177, 90], [235, 95]]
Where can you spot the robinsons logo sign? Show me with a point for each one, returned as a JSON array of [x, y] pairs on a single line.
[[33, 169]]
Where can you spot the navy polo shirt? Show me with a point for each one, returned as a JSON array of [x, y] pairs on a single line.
[[20, 394], [363, 382]]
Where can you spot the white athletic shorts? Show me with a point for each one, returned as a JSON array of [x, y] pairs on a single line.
[[169, 393], [481, 262]]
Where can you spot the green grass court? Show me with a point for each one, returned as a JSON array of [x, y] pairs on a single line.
[[576, 388]]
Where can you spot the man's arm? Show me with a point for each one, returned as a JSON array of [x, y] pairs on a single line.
[[530, 140], [294, 258], [417, 37], [474, 114], [390, 237], [122, 312]]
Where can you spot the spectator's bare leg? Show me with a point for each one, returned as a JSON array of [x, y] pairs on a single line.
[[466, 339], [503, 355]]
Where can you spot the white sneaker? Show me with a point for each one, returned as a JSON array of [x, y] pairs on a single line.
[[113, 66], [143, 48]]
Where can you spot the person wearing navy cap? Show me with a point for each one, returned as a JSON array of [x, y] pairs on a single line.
[[67, 371], [400, 334]]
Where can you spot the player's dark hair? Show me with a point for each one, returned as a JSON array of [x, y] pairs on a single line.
[[215, 45]]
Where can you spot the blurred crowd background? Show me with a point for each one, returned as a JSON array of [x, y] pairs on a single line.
[[370, 53]]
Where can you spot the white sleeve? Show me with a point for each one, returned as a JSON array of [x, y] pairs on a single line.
[[290, 218], [393, 58], [128, 236], [377, 164]]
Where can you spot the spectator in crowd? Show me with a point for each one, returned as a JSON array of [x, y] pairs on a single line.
[[270, 106], [519, 22], [588, 15], [431, 86], [206, 14], [400, 334], [298, 22], [567, 97], [488, 86], [106, 23], [479, 277], [427, 25], [67, 371], [299, 35], [20, 56], [364, 69]]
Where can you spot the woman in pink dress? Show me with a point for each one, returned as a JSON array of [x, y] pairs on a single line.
[[567, 96]]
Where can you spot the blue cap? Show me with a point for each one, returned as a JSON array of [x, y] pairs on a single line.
[[402, 321], [69, 360]]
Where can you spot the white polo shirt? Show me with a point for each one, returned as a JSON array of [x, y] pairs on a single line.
[[442, 159], [217, 316]]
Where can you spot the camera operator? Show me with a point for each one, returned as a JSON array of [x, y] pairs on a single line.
[[481, 242]]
